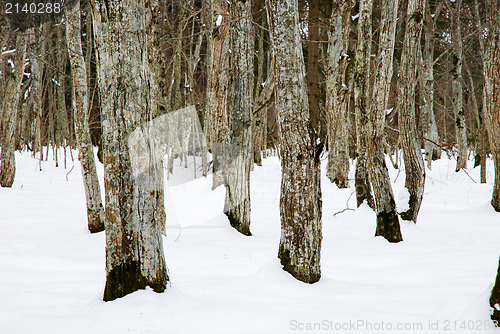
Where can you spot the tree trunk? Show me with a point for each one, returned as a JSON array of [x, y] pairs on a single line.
[[414, 163], [134, 250], [492, 94], [337, 94], [10, 110], [387, 216], [216, 115], [432, 151], [312, 72], [237, 205], [300, 200], [156, 63], [95, 209], [457, 89], [362, 101]]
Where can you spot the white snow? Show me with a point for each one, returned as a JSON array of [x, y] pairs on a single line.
[[53, 271], [218, 21], [388, 111], [355, 17], [402, 200]]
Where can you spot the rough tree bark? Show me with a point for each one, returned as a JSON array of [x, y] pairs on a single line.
[[414, 163], [385, 206], [237, 205], [300, 199], [216, 115], [312, 72], [492, 98], [430, 130], [95, 209], [10, 110], [492, 121], [362, 101], [134, 250], [456, 86], [337, 93]]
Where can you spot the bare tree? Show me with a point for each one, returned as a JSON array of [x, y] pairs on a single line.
[[217, 115], [10, 110], [492, 96], [300, 200], [237, 205], [414, 163], [362, 101], [95, 209], [387, 216], [134, 250], [337, 93], [457, 89], [426, 77]]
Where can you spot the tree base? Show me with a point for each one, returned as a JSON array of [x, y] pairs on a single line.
[[126, 278], [388, 226], [239, 224], [306, 274]]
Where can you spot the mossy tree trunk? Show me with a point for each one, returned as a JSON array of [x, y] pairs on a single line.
[[237, 205], [385, 206], [337, 93], [95, 209], [300, 199], [10, 110], [408, 131], [134, 250]]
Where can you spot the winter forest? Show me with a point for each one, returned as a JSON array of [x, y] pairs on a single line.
[[249, 166]]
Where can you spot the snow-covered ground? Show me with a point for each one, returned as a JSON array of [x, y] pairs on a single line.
[[52, 270]]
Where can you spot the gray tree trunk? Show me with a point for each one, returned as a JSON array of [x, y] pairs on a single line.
[[414, 163], [362, 101], [492, 99], [237, 205], [457, 88], [134, 249], [300, 200], [95, 209], [337, 93], [387, 216], [312, 71], [430, 130], [156, 61], [10, 110], [217, 115]]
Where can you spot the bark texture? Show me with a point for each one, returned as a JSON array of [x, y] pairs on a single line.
[[429, 126], [237, 205], [492, 99], [457, 88], [414, 163], [385, 206], [362, 101], [312, 72], [95, 209], [300, 200], [337, 93], [217, 115], [134, 250], [10, 110]]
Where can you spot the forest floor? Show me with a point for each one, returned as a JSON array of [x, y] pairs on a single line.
[[438, 280]]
